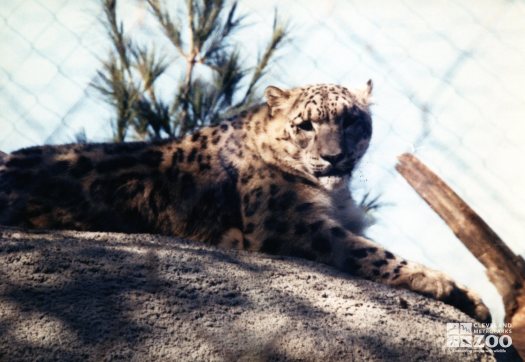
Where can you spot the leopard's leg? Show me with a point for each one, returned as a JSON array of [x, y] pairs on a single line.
[[289, 225], [366, 259]]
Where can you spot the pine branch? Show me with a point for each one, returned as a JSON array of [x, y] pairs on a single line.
[[111, 82], [227, 80], [171, 29], [116, 32], [219, 42], [279, 34], [203, 38], [81, 137], [151, 119], [207, 21], [151, 66]]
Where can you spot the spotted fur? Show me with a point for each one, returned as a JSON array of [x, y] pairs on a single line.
[[275, 179]]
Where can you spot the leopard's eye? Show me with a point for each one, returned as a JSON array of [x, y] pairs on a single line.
[[306, 126]]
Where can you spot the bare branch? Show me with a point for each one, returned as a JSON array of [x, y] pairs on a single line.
[[505, 269]]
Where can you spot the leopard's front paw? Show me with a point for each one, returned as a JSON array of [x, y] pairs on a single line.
[[441, 287], [468, 302]]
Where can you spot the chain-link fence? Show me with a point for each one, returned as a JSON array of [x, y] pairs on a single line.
[[448, 81]]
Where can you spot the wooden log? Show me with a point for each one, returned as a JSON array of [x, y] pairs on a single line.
[[505, 269]]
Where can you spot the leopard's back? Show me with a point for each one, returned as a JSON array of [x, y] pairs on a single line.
[[175, 187]]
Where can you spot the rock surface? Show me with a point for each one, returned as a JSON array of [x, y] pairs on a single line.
[[104, 296]]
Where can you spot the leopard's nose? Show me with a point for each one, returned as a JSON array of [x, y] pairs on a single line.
[[333, 159]]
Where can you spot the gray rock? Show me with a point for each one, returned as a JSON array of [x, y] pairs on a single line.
[[106, 296]]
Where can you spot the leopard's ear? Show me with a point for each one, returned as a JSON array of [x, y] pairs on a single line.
[[276, 97], [369, 87], [365, 94]]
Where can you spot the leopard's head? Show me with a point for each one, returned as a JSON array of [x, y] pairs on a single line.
[[320, 131]]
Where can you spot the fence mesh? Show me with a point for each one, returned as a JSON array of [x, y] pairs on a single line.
[[448, 81]]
